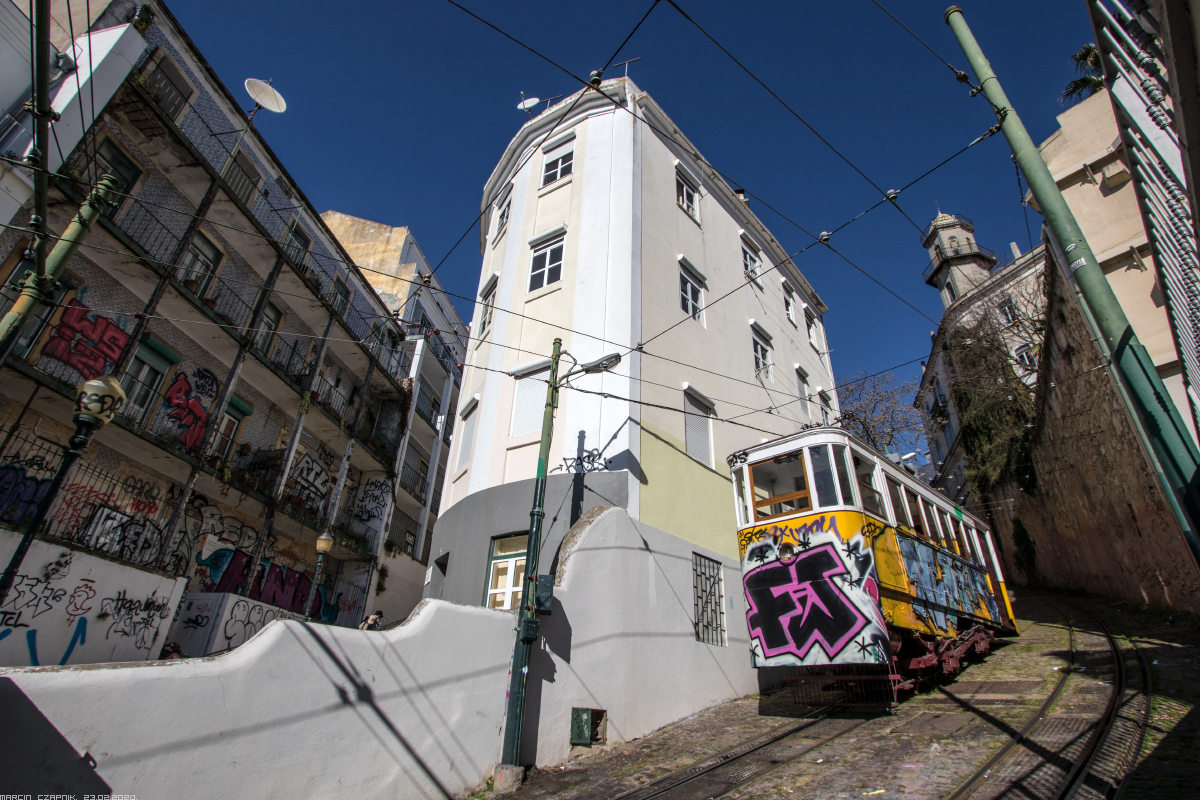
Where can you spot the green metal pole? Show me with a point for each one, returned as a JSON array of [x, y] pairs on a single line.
[[39, 289], [527, 621], [1153, 409]]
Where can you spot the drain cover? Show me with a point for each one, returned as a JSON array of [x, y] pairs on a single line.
[[994, 687], [931, 723]]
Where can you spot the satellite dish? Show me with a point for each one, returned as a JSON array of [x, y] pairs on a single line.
[[526, 105], [264, 96]]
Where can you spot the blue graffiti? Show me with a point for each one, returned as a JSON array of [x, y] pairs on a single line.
[[944, 583], [329, 610], [216, 563], [79, 637]]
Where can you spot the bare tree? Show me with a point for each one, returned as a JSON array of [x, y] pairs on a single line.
[[879, 410]]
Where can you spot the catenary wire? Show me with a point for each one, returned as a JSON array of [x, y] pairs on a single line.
[[791, 110]]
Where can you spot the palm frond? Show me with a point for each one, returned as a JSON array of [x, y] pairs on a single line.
[[1080, 89], [1087, 60]]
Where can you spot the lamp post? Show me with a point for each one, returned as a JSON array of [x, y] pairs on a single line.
[[324, 545], [96, 401], [527, 620]]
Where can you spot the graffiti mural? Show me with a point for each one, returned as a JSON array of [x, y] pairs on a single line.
[[945, 586], [311, 479], [813, 593], [373, 500], [19, 493], [71, 607], [187, 400], [211, 623], [86, 341]]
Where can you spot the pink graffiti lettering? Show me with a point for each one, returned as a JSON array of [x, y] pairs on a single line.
[[86, 341]]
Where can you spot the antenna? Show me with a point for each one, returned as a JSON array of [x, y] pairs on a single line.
[[627, 63], [264, 97]]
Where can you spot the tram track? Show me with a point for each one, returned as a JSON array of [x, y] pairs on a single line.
[[1062, 756], [724, 772]]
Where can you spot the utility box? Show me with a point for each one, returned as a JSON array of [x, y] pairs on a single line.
[[589, 726], [543, 598], [529, 629]]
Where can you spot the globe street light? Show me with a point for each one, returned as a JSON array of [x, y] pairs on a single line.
[[324, 545], [96, 402]]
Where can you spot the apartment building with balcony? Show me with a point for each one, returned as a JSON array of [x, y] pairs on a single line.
[[396, 267], [602, 226], [976, 286], [210, 271]]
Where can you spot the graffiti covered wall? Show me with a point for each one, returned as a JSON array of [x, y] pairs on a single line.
[[813, 592], [210, 623], [944, 587], [68, 607]]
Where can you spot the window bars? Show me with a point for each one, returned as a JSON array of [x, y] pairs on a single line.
[[709, 597]]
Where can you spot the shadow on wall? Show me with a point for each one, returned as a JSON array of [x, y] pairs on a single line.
[[35, 759]]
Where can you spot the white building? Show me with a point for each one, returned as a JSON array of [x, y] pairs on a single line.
[[604, 228]]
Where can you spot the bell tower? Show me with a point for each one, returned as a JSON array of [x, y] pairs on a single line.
[[956, 263]]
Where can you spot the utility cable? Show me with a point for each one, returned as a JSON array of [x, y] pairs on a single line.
[[791, 110]]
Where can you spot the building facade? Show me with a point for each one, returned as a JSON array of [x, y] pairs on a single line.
[[604, 228], [976, 287], [268, 384], [395, 266]]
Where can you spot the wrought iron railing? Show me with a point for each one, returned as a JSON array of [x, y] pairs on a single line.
[[332, 398], [412, 480], [941, 254]]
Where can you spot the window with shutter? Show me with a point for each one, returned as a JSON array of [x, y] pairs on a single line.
[[468, 434], [529, 402], [697, 429]]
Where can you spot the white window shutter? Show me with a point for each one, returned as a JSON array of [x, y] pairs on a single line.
[[468, 434], [697, 430], [529, 403]]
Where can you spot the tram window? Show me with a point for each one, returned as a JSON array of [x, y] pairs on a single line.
[[897, 498], [948, 531], [935, 530], [780, 486], [864, 472], [823, 476], [739, 481], [914, 513], [843, 471]]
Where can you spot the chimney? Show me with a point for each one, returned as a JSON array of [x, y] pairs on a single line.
[[1016, 251], [741, 193]]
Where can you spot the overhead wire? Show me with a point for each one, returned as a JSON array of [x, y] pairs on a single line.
[[792, 111]]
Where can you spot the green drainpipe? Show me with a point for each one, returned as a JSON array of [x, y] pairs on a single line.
[[1154, 413]]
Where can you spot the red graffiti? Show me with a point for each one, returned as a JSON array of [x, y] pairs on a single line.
[[86, 341], [78, 503], [187, 411]]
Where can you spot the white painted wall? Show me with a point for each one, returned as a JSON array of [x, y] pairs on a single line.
[[417, 711], [69, 607], [209, 622]]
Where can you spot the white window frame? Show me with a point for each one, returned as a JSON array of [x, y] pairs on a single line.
[[1025, 356], [503, 214], [487, 306], [690, 279], [687, 191], [547, 246], [762, 356], [558, 164], [810, 325], [826, 406], [751, 261], [802, 388], [511, 592], [1006, 309], [789, 302]]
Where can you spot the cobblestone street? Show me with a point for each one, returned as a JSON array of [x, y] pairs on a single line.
[[942, 735]]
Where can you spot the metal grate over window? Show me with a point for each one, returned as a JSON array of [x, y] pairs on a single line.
[[708, 592]]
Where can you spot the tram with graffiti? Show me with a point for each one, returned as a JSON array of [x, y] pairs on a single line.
[[847, 559]]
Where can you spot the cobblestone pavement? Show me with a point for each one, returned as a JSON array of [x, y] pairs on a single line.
[[940, 736]]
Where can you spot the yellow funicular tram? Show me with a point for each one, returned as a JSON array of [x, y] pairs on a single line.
[[849, 560]]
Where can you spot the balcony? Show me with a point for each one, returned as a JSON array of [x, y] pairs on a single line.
[[413, 480], [218, 146], [943, 254]]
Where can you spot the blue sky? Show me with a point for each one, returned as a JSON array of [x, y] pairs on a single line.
[[398, 111]]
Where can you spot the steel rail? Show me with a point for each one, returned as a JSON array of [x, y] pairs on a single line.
[[675, 780], [1079, 771], [972, 783], [1148, 694]]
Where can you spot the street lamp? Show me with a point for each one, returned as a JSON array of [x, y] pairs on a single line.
[[324, 545], [527, 621], [96, 402]]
